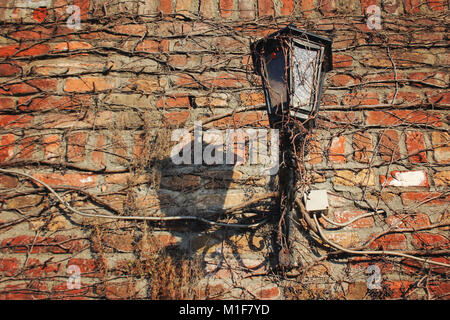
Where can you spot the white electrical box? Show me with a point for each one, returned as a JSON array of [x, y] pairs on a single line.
[[316, 200]]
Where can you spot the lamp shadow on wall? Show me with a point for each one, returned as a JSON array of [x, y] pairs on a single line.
[[213, 192]]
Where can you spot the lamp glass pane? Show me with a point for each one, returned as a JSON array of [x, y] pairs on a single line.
[[305, 77], [276, 75]]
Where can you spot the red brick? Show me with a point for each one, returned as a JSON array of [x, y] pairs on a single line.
[[76, 147], [342, 61], [287, 7], [84, 7], [177, 117], [436, 5], [389, 146], [439, 98], [9, 69], [404, 97], [18, 88], [327, 7], [340, 80], [8, 266], [226, 8], [415, 144], [88, 267], [412, 267], [40, 14], [307, 7], [347, 215], [68, 179], [177, 101], [30, 291], [365, 4], [35, 268], [123, 290], [412, 6], [7, 147], [268, 292], [25, 148], [120, 150], [361, 98], [392, 241], [247, 9], [438, 198], [398, 289], [98, 155], [177, 60], [52, 144], [398, 117], [61, 292], [24, 50], [428, 241], [32, 244], [118, 242], [46, 103], [365, 262], [7, 181], [87, 84], [7, 103], [362, 146], [439, 288], [265, 8], [165, 6], [337, 150], [15, 121], [153, 46]]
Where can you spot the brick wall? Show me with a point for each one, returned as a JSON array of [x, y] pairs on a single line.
[[89, 111]]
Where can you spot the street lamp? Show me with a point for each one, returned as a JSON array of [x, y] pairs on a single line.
[[292, 64]]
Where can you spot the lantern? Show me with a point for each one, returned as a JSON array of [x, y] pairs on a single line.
[[292, 64]]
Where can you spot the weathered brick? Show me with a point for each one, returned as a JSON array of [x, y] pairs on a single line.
[[416, 178], [403, 117], [344, 239], [389, 146], [226, 8], [7, 147], [35, 268], [8, 182], [7, 103], [343, 216], [287, 7], [336, 153], [9, 69], [364, 177], [442, 178], [88, 267], [361, 98], [425, 198], [416, 220], [362, 146], [165, 6], [87, 84], [428, 241], [32, 244], [208, 9], [265, 8], [174, 101], [76, 147], [394, 241], [185, 182], [269, 292], [9, 266], [415, 144], [68, 179], [24, 50], [342, 61], [441, 148]]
